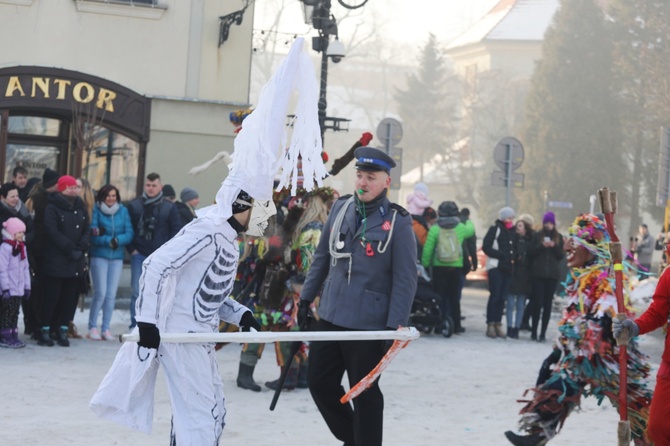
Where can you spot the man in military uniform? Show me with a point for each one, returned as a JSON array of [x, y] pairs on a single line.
[[365, 262]]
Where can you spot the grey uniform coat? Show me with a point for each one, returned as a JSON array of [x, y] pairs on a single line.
[[379, 291]]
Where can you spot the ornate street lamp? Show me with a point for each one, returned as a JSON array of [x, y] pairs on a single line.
[[317, 13]]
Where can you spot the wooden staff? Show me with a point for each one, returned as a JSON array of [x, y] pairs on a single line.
[[608, 205]]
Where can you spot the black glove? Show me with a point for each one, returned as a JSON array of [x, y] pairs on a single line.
[[150, 337], [248, 322], [303, 312], [76, 254], [5, 294], [113, 243], [26, 294], [618, 326]]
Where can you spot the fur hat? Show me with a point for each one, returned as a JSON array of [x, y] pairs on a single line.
[[528, 219], [49, 178], [66, 181], [506, 212], [14, 225], [187, 194]]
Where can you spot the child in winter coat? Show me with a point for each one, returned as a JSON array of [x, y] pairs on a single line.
[[14, 280], [418, 201]]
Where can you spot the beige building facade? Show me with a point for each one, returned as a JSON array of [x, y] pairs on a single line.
[[111, 90]]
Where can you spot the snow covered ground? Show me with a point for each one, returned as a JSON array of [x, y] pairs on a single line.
[[457, 391]]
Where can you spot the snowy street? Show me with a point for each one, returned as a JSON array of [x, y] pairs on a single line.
[[457, 391]]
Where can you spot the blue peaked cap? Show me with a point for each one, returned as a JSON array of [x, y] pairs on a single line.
[[370, 159]]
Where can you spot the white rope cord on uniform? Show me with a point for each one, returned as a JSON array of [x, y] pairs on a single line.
[[335, 238], [381, 250]]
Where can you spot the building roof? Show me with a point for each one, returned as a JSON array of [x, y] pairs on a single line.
[[517, 20], [443, 168]]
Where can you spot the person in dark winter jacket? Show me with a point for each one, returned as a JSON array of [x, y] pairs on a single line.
[[189, 201], [447, 272], [12, 206], [20, 180], [519, 289], [36, 204], [66, 228], [470, 262], [499, 246], [112, 230], [155, 221], [545, 253]]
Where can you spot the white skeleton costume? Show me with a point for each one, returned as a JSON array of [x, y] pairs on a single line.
[[185, 287], [186, 283]]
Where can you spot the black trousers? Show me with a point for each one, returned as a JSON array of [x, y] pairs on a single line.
[[60, 301], [447, 283], [32, 308], [361, 425], [541, 299]]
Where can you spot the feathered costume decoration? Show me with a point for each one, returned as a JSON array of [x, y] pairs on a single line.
[[585, 361]]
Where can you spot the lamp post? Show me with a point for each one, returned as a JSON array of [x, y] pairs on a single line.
[[317, 13]]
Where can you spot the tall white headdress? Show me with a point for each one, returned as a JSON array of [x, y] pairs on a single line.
[[260, 152]]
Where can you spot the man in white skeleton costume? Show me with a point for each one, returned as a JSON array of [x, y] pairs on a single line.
[[185, 284], [184, 288]]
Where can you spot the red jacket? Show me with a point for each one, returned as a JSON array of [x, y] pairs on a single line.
[[658, 312]]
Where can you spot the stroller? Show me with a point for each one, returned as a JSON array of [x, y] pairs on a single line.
[[426, 315]]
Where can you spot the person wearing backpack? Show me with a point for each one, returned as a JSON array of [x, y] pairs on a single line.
[[444, 254]]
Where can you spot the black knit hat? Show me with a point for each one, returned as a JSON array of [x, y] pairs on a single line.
[[49, 178], [169, 192], [242, 203]]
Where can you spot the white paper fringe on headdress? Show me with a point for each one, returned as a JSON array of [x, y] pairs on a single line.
[[260, 148]]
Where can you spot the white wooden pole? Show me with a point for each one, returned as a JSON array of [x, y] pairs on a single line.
[[262, 337]]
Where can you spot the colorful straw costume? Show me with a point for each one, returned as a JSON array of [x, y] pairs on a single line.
[[585, 360]]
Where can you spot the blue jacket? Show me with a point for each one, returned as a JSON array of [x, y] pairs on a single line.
[[117, 225], [375, 288]]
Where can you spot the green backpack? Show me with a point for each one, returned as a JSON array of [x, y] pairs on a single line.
[[449, 248]]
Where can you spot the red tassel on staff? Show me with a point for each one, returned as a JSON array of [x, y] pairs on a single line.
[[608, 205]]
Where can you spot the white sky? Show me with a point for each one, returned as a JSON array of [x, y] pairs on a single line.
[[403, 21]]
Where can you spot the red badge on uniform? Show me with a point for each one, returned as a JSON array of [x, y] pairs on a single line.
[[386, 226]]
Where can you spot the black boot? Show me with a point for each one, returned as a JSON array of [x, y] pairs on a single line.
[[289, 384], [526, 440], [61, 336], [245, 378], [42, 337]]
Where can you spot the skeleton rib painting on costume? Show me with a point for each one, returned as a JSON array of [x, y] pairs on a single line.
[[186, 284]]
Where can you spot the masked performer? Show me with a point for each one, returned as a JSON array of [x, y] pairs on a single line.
[[585, 360], [186, 283]]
